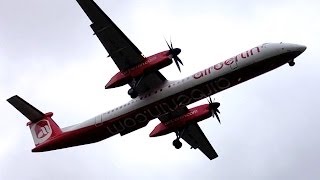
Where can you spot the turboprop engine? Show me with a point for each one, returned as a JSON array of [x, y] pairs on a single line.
[[151, 63], [193, 115]]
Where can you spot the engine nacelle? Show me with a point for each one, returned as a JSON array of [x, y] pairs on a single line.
[[194, 115], [151, 63]]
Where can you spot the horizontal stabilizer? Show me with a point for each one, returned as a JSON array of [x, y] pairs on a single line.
[[30, 112]]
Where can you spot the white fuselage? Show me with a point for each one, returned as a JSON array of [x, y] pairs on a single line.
[[173, 95]]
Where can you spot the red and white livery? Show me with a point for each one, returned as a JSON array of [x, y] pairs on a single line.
[[153, 96]]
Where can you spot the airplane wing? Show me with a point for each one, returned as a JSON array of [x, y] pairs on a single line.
[[123, 52], [192, 134]]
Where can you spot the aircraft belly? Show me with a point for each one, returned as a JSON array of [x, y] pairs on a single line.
[[140, 117]]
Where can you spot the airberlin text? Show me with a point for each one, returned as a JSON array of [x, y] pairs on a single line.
[[191, 113], [228, 62], [170, 104]]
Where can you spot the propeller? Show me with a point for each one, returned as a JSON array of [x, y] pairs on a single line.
[[174, 52], [213, 106]]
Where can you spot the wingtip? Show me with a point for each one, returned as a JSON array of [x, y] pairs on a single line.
[[12, 97]]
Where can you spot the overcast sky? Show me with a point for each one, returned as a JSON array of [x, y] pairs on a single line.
[[270, 125]]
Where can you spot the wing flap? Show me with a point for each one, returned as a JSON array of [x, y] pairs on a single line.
[[30, 112], [194, 136]]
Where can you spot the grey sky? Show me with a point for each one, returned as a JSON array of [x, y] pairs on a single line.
[[270, 125]]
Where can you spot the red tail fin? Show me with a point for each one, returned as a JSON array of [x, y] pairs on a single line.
[[44, 129]]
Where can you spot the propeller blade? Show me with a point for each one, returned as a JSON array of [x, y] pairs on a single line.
[[174, 53], [212, 113], [178, 65], [179, 60], [214, 108], [168, 44], [217, 117]]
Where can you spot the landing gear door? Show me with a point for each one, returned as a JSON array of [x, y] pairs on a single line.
[[232, 63]]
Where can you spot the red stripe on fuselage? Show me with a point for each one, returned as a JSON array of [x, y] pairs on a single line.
[[143, 115]]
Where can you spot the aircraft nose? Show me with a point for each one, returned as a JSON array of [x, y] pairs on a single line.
[[295, 49], [301, 48]]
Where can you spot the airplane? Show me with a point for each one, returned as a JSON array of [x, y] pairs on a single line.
[[153, 96]]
